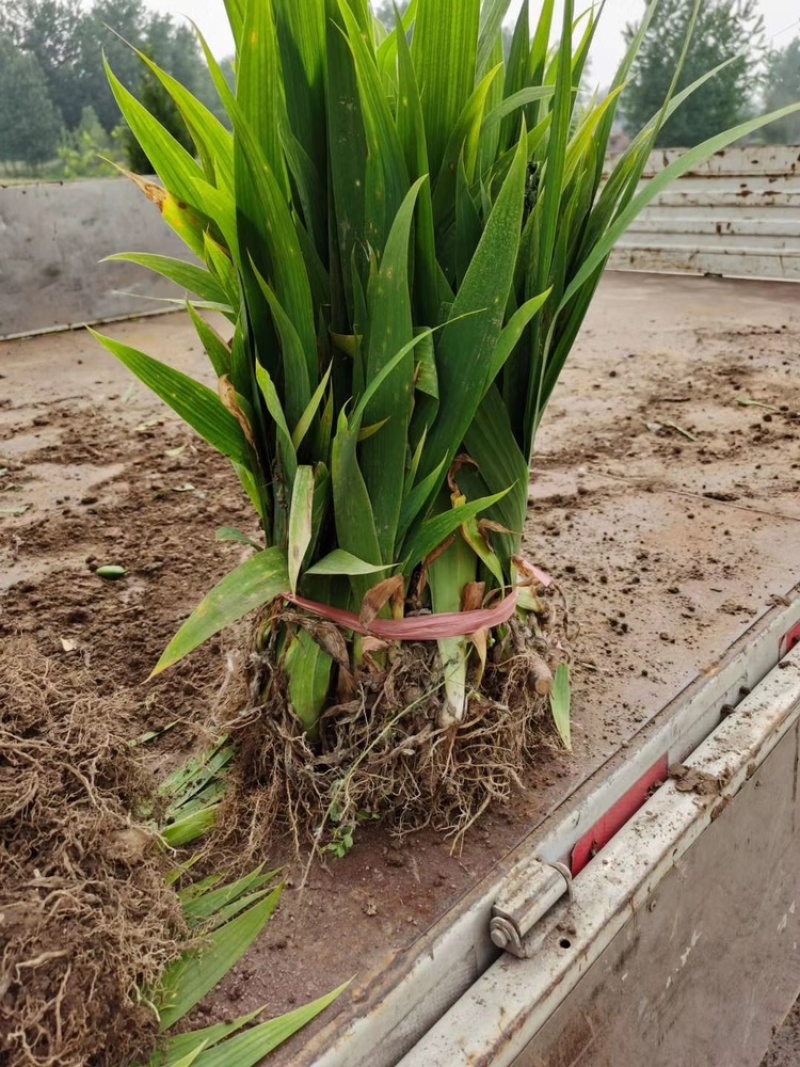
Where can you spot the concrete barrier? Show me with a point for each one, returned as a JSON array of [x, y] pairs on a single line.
[[53, 236]]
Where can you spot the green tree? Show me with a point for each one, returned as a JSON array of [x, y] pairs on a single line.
[[68, 40], [725, 30], [50, 30], [782, 86], [85, 150], [29, 122], [110, 28]]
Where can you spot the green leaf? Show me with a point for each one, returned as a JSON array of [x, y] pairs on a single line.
[[190, 978], [308, 668], [430, 285], [229, 533], [560, 704], [220, 263], [307, 418], [546, 216], [181, 1045], [417, 498], [463, 144], [206, 904], [445, 51], [383, 141], [341, 562], [491, 443], [466, 346], [186, 275], [516, 76], [492, 14], [213, 141], [250, 1047], [381, 377], [435, 531], [152, 735], [219, 205], [300, 521], [195, 403], [355, 523], [216, 349], [172, 162], [301, 39], [383, 457], [514, 102], [275, 408], [195, 774], [235, 12], [253, 584], [347, 153], [513, 330], [196, 889], [298, 371], [190, 827], [267, 232], [427, 380], [448, 574], [259, 90], [191, 1057]]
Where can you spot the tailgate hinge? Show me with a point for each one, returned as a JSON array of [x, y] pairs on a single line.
[[529, 893]]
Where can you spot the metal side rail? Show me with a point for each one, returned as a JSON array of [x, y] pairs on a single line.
[[394, 1009], [679, 941]]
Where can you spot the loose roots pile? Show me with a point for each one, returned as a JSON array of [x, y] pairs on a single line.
[[86, 918], [381, 754]]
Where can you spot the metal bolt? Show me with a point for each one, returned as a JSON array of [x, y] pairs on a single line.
[[500, 937]]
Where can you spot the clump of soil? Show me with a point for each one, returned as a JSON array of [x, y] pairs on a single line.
[[382, 750], [87, 922]]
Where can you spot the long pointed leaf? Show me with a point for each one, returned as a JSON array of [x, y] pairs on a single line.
[[253, 584], [194, 402], [249, 1048], [188, 276], [187, 981]]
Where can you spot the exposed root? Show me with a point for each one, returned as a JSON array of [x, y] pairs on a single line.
[[380, 753], [86, 918]]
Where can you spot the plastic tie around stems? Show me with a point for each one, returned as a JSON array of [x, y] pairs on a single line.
[[414, 627]]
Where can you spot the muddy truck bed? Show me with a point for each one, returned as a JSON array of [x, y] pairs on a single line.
[[665, 500]]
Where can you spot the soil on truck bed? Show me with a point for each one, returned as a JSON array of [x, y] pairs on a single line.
[[664, 499]]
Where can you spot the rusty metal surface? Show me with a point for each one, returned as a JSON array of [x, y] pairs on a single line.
[[738, 215], [681, 944], [54, 236]]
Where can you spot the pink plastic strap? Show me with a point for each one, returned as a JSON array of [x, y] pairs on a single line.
[[415, 627]]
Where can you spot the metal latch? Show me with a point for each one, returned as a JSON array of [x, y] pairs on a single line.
[[528, 895]]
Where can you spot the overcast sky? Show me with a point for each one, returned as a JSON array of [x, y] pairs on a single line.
[[781, 18]]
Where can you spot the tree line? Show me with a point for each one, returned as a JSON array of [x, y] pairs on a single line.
[[754, 77], [54, 94], [55, 100]]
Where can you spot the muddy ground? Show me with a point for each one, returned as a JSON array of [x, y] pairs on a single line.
[[664, 499]]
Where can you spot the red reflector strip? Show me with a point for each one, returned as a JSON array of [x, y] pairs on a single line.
[[616, 817], [789, 640]]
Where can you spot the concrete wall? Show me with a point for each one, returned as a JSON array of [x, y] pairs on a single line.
[[52, 238]]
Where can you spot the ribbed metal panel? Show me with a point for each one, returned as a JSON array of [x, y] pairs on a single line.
[[738, 214]]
